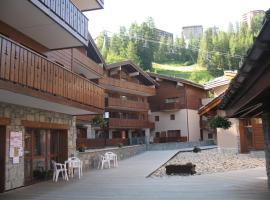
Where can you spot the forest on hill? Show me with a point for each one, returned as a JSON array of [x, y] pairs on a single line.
[[216, 50]]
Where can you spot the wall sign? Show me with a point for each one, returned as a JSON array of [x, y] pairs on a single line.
[[16, 146]]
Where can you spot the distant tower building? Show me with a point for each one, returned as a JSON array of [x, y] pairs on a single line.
[[247, 17], [192, 32], [160, 33]]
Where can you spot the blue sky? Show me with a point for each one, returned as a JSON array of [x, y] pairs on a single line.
[[171, 15]]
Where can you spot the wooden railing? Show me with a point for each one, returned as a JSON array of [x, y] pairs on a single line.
[[83, 60], [23, 66], [128, 85], [130, 123], [170, 139], [100, 143], [170, 106], [117, 102], [69, 13]]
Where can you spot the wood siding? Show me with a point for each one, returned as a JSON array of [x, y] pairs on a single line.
[[194, 96], [127, 104], [130, 123], [82, 59], [167, 89], [62, 57], [125, 85], [23, 66]]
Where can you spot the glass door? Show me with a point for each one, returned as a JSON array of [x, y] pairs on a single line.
[[42, 146]]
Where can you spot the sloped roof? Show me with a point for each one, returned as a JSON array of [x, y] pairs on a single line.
[[221, 81], [174, 79], [131, 67], [250, 67]]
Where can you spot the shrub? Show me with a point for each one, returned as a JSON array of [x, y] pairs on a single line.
[[220, 122]]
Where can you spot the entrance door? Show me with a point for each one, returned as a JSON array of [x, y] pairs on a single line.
[[42, 146], [2, 157]]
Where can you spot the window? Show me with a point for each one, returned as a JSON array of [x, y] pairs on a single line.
[[172, 100], [156, 118], [172, 117], [157, 134], [210, 136]]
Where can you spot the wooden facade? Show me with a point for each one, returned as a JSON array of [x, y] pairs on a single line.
[[176, 100], [22, 66], [34, 69], [183, 94], [127, 89]]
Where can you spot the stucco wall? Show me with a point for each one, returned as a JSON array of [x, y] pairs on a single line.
[[165, 124], [194, 125], [229, 138], [180, 123], [14, 173]]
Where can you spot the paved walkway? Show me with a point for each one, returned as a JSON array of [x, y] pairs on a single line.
[[128, 182]]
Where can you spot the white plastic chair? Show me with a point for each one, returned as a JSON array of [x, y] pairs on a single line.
[[103, 160], [57, 168], [112, 157], [74, 163]]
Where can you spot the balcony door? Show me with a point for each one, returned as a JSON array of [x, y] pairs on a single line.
[[2, 157], [42, 146]]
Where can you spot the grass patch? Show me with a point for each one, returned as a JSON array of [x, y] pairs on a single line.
[[194, 72]]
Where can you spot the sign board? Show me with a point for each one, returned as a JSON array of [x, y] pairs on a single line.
[[16, 146]]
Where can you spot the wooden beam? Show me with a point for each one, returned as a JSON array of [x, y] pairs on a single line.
[[46, 125], [4, 121], [255, 86]]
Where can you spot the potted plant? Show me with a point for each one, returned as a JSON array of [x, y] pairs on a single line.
[[220, 122]]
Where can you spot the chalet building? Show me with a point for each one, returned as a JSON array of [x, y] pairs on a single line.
[[174, 109], [244, 135], [127, 88], [49, 71], [249, 92]]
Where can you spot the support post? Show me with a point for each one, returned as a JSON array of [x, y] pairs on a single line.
[[266, 134]]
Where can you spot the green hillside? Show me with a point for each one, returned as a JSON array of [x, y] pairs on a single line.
[[194, 72]]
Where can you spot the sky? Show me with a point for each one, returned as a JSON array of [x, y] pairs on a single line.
[[171, 15]]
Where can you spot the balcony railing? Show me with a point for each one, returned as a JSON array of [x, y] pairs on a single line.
[[25, 67], [170, 106], [69, 13], [127, 104], [125, 85], [83, 60], [130, 123]]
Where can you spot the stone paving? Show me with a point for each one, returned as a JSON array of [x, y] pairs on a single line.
[[128, 182]]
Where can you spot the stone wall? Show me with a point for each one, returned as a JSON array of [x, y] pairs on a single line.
[[177, 145], [14, 175], [266, 133], [91, 158]]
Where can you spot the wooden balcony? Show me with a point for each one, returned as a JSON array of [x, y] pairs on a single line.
[[56, 24], [28, 70], [69, 13], [170, 106], [117, 103], [128, 87], [130, 123], [86, 65]]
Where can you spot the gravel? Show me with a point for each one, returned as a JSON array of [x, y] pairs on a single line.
[[213, 161]]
